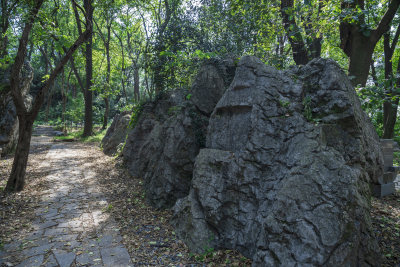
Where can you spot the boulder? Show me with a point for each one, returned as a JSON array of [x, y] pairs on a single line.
[[168, 134], [285, 174], [116, 133], [8, 114], [163, 145], [211, 82]]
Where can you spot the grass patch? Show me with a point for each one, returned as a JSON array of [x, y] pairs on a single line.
[[77, 135]]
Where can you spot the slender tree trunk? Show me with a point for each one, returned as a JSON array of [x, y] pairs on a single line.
[[78, 77], [297, 43], [106, 100], [136, 84], [48, 105], [390, 110], [391, 103], [64, 100], [88, 127], [122, 67], [16, 180], [106, 112]]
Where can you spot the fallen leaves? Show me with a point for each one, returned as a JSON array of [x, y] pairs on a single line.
[[385, 215], [17, 209], [146, 232]]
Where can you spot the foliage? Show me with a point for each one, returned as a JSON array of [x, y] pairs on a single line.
[[136, 111]]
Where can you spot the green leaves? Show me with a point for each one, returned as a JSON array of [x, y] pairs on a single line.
[[45, 77]]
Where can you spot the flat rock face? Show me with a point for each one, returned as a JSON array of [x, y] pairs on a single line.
[[169, 132], [285, 174], [116, 133]]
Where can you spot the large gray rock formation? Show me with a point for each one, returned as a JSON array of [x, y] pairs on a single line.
[[116, 133], [169, 132], [211, 82], [286, 172], [8, 114]]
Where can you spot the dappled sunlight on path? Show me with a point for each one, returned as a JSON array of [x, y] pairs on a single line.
[[72, 226]]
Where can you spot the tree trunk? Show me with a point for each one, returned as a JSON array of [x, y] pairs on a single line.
[[136, 84], [390, 111], [108, 89], [16, 181], [64, 101], [299, 49], [106, 112], [123, 66], [359, 48], [48, 106], [87, 130], [360, 59]]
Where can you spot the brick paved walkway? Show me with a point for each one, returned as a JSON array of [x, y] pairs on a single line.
[[72, 227]]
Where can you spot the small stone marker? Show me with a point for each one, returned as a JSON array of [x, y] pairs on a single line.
[[387, 187]]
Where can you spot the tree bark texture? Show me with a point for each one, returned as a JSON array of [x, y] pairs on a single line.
[[16, 180]]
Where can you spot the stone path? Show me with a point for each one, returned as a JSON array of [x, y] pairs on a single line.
[[72, 227]]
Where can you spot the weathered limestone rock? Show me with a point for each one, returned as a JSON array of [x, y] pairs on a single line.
[[163, 145], [116, 133], [211, 82], [8, 114], [169, 133], [286, 172], [8, 123]]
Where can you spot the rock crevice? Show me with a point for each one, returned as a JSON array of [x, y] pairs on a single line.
[[170, 131]]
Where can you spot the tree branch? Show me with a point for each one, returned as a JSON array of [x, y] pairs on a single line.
[[43, 90], [384, 24], [395, 38], [20, 58]]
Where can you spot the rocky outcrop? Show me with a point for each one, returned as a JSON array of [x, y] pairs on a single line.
[[286, 172], [211, 82], [163, 145], [169, 132], [8, 114], [116, 133]]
